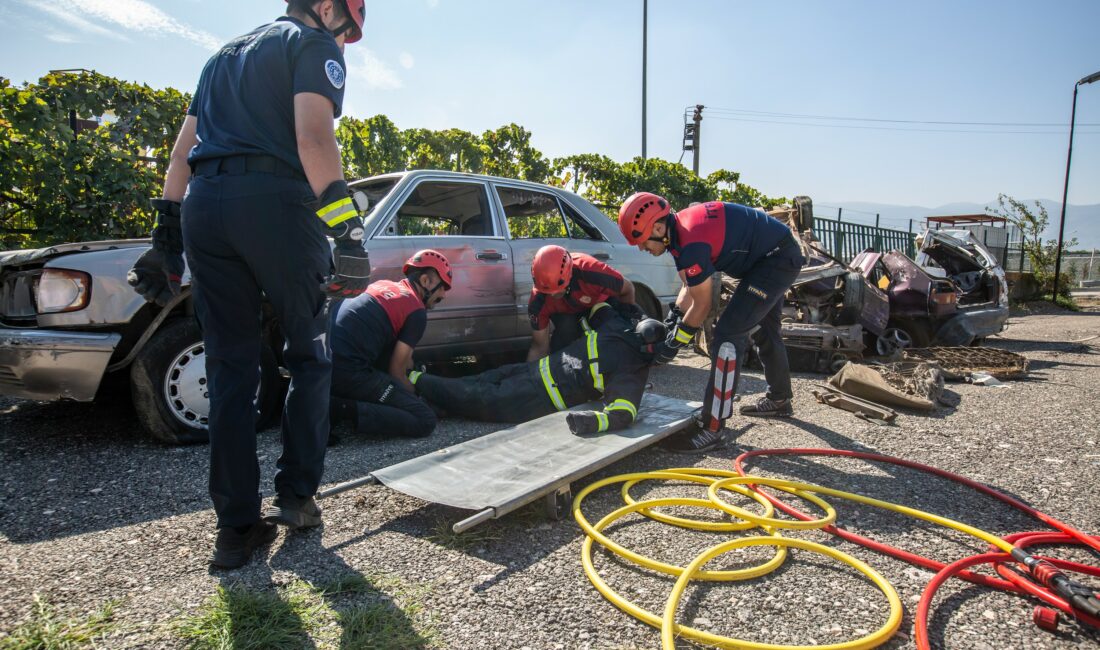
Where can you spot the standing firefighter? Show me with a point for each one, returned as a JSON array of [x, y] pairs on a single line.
[[259, 140], [565, 286], [746, 244], [373, 337], [610, 363]]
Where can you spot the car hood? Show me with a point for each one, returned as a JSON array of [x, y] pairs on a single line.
[[26, 256], [956, 251]]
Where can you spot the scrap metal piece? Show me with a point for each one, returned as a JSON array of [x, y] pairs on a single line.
[[861, 408], [866, 383], [959, 363]]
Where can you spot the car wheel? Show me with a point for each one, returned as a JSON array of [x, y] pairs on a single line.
[[897, 337], [169, 388], [648, 302]]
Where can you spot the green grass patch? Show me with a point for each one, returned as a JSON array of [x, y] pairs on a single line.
[[444, 535], [48, 630], [355, 611]]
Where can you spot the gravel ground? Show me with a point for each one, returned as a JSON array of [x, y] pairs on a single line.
[[89, 512]]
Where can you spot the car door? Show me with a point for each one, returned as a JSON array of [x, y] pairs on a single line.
[[534, 217], [455, 217]]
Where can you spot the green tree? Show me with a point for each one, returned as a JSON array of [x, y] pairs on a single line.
[[370, 147], [60, 184], [509, 154], [1041, 254]]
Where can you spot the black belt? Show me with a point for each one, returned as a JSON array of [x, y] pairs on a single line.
[[244, 163]]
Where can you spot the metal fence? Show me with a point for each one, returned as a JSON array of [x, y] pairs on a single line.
[[845, 240]]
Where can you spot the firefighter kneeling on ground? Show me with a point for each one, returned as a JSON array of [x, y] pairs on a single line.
[[564, 287], [610, 364], [373, 338]]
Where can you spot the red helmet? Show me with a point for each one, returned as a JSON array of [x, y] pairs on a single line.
[[551, 269], [357, 12], [429, 259], [639, 213]]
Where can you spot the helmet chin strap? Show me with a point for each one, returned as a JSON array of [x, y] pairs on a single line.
[[321, 24], [425, 293]]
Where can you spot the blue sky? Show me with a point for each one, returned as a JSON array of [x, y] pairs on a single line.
[[570, 72]]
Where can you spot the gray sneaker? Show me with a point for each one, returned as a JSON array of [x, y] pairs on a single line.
[[766, 407], [294, 512], [694, 441]]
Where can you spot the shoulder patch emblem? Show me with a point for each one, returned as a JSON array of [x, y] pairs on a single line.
[[335, 73], [586, 299], [694, 270]]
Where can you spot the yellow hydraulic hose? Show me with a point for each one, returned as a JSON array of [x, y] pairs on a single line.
[[718, 481]]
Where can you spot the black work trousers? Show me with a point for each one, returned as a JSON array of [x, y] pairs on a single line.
[[250, 236], [383, 408], [511, 393], [758, 300]]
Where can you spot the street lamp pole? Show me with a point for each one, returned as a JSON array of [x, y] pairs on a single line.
[[645, 40], [1065, 187]]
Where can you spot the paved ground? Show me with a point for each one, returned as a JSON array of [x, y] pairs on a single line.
[[89, 513]]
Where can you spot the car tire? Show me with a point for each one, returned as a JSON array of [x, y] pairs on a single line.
[[168, 385], [855, 297], [899, 336], [648, 302], [805, 209]]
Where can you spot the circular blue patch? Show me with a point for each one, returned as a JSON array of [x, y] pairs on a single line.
[[335, 73]]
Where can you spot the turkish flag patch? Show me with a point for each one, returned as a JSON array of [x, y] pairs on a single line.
[[694, 270]]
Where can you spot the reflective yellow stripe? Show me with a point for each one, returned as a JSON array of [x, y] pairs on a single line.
[[594, 362], [682, 336], [414, 375], [584, 324], [601, 418], [596, 307], [548, 383], [623, 405], [337, 212]]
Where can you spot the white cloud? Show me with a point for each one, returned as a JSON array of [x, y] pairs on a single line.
[[433, 4], [132, 16], [407, 61], [72, 20], [370, 69], [61, 37]]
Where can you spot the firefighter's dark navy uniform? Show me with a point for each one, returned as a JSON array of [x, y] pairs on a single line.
[[364, 332], [248, 229], [747, 244], [592, 282], [605, 365]]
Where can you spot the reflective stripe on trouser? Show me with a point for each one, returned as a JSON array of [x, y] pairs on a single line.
[[594, 361], [601, 421], [623, 405], [550, 385]]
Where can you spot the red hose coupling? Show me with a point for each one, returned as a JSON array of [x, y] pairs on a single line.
[[1045, 617]]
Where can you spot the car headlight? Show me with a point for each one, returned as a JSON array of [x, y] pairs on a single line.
[[61, 290]]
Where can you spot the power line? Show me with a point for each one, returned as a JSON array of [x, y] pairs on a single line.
[[892, 121], [887, 128]]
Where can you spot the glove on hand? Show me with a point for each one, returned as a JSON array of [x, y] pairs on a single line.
[[156, 275], [632, 311], [350, 262], [582, 422], [674, 316], [678, 336]]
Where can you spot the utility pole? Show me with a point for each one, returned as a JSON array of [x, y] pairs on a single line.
[[698, 119], [645, 29]]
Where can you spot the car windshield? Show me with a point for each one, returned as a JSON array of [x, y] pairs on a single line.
[[376, 190]]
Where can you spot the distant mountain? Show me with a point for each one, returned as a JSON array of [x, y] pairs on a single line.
[[1082, 221]]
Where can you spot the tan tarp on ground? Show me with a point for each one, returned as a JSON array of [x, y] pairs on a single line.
[[868, 384]]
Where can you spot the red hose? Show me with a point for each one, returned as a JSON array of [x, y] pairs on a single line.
[[1010, 580]]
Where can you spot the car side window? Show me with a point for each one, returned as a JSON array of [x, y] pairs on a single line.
[[531, 214], [443, 208], [579, 228]]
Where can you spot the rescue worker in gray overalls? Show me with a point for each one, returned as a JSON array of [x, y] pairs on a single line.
[[610, 363], [266, 186]]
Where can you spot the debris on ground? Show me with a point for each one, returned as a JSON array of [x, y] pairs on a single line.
[[960, 363]]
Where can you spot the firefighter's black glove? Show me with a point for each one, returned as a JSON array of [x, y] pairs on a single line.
[[632, 311], [674, 316], [678, 336], [582, 422], [156, 275], [350, 261]]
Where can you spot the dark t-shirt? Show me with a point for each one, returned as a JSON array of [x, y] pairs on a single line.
[[244, 102], [593, 282], [723, 237], [366, 327]]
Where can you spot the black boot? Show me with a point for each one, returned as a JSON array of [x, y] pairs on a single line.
[[294, 512], [233, 547]]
